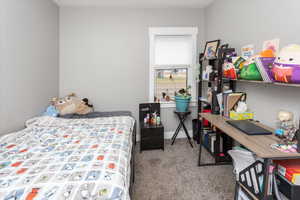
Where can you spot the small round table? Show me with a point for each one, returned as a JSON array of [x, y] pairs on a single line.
[[182, 117]]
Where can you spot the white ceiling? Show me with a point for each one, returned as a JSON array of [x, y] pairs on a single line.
[[137, 3]]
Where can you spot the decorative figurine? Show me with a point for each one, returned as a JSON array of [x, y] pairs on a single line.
[[286, 127]]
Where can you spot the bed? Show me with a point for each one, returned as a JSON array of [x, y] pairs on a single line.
[[76, 157]]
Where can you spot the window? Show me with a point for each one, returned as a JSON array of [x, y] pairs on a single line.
[[172, 50], [172, 63], [167, 82]]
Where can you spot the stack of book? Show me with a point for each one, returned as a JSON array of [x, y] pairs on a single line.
[[210, 143], [288, 178], [290, 169]]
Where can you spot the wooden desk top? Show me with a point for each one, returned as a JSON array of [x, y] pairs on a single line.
[[258, 144]]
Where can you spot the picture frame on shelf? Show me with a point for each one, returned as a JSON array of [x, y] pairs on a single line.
[[211, 49]]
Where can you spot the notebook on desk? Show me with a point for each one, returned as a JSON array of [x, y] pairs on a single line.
[[248, 127]]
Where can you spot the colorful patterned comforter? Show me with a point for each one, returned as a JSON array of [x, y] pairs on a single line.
[[63, 159]]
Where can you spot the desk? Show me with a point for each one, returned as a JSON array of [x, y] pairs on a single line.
[[259, 145]]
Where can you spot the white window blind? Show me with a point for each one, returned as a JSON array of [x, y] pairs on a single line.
[[172, 53], [173, 50]]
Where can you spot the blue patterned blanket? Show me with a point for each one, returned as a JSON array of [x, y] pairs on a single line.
[[60, 159]]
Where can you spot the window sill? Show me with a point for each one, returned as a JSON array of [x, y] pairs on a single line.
[[173, 105]]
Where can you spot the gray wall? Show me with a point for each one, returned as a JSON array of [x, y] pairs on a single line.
[[29, 60], [104, 54], [241, 22]]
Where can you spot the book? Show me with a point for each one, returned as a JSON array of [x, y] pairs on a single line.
[[290, 169], [262, 70], [264, 65], [220, 99], [225, 105], [212, 143]]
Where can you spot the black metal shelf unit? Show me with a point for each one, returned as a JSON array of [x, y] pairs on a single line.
[[216, 82]]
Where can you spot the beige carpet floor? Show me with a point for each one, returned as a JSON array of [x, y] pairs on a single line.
[[173, 174]]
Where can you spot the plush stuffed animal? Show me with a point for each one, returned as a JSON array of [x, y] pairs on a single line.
[[285, 116], [71, 104], [51, 111], [287, 65], [269, 53]]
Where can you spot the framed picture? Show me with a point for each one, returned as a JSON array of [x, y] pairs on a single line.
[[211, 48]]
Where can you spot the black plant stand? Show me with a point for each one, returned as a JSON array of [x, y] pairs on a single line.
[[182, 117]]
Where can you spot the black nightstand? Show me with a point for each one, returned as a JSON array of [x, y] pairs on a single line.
[[152, 136]]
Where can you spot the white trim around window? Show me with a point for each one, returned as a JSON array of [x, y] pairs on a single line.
[[173, 31]]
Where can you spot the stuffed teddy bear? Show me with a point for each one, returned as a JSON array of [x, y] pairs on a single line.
[[71, 104]]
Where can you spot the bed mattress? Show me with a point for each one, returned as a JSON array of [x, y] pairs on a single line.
[[60, 159]]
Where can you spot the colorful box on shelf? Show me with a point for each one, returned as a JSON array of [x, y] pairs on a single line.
[[290, 169], [241, 116]]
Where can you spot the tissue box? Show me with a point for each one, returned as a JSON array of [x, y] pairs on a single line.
[[241, 116]]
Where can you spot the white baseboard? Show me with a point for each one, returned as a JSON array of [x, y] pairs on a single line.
[[169, 134], [181, 134]]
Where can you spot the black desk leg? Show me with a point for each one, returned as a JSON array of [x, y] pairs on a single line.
[[267, 189], [200, 151], [186, 131], [200, 133], [237, 189]]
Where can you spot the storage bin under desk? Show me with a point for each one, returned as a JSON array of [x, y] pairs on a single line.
[[290, 190]]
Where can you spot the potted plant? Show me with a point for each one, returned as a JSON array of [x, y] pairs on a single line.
[[182, 99]]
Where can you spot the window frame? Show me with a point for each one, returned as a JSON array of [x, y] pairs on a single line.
[[172, 31]]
